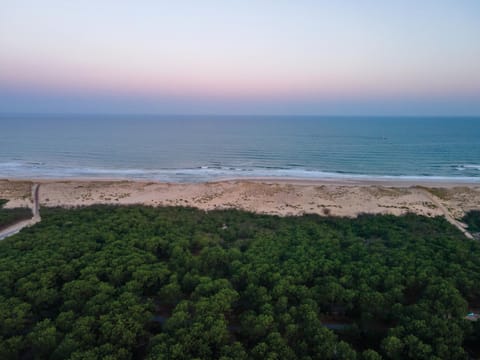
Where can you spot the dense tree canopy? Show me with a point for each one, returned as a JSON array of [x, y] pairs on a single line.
[[178, 283], [472, 219], [11, 216]]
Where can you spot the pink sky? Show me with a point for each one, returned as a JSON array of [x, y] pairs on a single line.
[[284, 52]]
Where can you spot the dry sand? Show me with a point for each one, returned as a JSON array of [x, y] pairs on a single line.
[[278, 197]]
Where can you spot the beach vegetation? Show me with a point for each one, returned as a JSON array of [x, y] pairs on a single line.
[[137, 282], [472, 219]]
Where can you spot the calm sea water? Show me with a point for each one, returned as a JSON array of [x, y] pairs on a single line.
[[202, 148]]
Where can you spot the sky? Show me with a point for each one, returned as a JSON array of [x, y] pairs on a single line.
[[342, 57]]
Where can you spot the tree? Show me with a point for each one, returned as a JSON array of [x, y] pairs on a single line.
[[393, 347], [43, 339]]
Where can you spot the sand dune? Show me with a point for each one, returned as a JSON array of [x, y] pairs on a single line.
[[280, 197]]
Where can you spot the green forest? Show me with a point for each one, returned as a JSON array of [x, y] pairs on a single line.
[[112, 282], [472, 219], [11, 216]]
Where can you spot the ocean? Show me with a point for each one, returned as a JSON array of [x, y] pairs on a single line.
[[205, 148]]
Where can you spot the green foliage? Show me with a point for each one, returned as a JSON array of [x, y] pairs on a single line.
[[175, 283], [472, 219], [11, 216]]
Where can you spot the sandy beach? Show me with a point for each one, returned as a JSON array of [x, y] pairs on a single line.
[[270, 196]]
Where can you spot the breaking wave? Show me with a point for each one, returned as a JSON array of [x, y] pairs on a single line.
[[17, 169]]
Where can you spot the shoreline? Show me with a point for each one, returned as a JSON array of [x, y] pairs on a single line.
[[346, 181], [402, 182]]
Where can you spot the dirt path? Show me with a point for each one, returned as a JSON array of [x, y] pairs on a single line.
[[15, 228], [459, 225], [166, 196]]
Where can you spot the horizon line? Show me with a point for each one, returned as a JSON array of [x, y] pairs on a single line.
[[233, 114]]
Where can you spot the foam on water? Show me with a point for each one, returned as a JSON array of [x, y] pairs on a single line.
[[192, 149], [199, 174], [469, 166]]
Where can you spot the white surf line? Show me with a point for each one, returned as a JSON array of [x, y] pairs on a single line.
[[15, 228]]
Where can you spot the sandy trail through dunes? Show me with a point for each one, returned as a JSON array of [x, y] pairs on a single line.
[[277, 197]]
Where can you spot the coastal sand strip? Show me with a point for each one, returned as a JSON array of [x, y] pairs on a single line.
[[281, 197]]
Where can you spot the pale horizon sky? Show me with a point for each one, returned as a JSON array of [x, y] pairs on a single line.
[[346, 57]]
